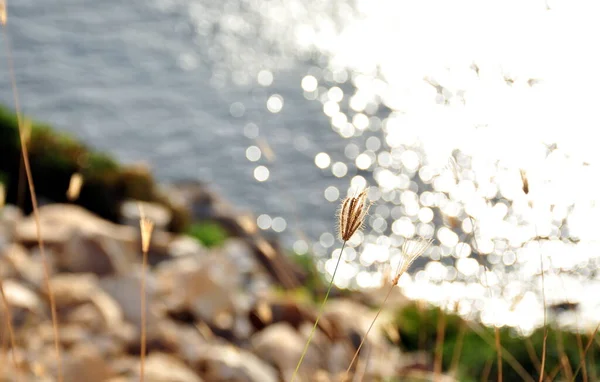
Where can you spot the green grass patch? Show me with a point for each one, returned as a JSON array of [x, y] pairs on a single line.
[[211, 234]]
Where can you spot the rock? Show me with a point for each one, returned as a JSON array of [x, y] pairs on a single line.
[[162, 336], [22, 300], [84, 363], [205, 287], [225, 363], [130, 213], [165, 368], [61, 220], [350, 321], [267, 312], [74, 289], [182, 246], [9, 218], [238, 252], [88, 252], [125, 290], [196, 198], [14, 260], [85, 242], [281, 269], [282, 346]]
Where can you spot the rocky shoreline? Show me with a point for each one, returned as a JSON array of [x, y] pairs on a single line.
[[212, 314], [225, 303]]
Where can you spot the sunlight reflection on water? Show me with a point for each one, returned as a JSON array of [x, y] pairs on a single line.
[[407, 104]]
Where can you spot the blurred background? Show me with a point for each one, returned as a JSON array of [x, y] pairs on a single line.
[[443, 109]]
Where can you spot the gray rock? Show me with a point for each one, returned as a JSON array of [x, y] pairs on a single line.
[[94, 253], [204, 286], [130, 212], [125, 290], [74, 289], [84, 241], [21, 297], [9, 217], [281, 345], [226, 363], [17, 262]]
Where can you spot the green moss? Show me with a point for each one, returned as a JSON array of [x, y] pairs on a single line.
[[417, 329], [55, 156], [210, 234]]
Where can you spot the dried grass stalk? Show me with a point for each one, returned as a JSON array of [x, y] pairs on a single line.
[[24, 132], [411, 249], [351, 217], [146, 227]]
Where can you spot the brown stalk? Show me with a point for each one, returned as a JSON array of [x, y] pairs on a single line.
[[564, 360], [361, 368], [458, 346], [498, 352], [439, 343], [34, 203], [362, 342], [4, 340], [146, 227], [587, 347], [350, 219], [9, 327], [509, 358], [545, 321], [410, 251], [581, 356], [532, 354], [487, 369]]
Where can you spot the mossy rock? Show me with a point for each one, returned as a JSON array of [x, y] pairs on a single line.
[[55, 156], [417, 329]]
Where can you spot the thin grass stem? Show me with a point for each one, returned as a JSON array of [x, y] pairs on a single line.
[[362, 342], [587, 347], [146, 227], [543, 362], [458, 347], [581, 356], [34, 205], [9, 328], [439, 343], [321, 310]]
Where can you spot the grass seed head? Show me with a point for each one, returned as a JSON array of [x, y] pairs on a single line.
[[146, 227], [411, 249], [352, 215]]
